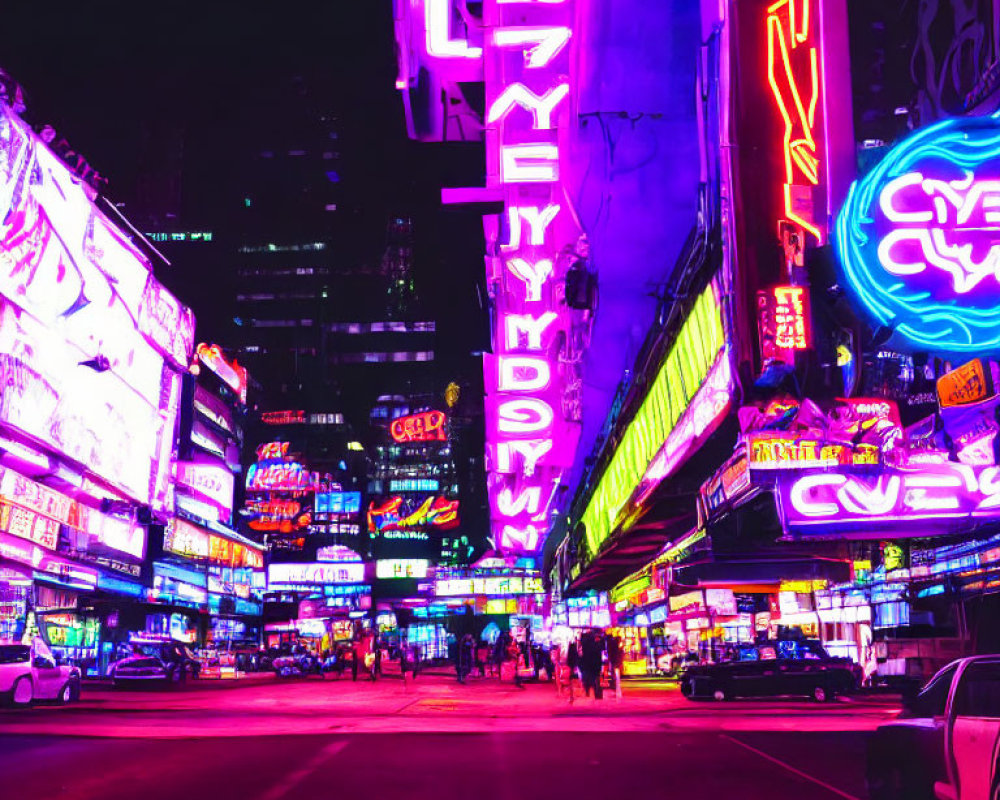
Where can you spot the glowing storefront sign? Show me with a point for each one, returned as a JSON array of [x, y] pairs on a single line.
[[29, 525], [691, 393], [185, 539], [283, 417], [785, 451], [231, 373], [338, 503], [26, 552], [25, 492], [387, 568], [314, 574], [894, 502], [209, 481], [427, 426], [917, 237]]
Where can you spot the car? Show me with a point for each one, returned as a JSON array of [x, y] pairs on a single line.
[[946, 742], [771, 669], [154, 661], [30, 672]]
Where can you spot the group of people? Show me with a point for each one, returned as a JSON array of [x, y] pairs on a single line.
[[585, 657], [582, 659]]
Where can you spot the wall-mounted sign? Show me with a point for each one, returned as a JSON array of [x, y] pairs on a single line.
[[783, 322], [967, 384], [318, 574], [398, 513], [231, 373], [338, 503], [297, 417], [213, 408], [917, 238], [29, 525], [387, 568], [427, 426], [687, 399], [338, 553], [66, 572], [209, 481], [788, 451], [896, 502]]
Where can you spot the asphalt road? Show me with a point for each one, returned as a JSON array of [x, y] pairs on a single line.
[[268, 739], [493, 766]]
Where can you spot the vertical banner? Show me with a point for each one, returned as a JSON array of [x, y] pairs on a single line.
[[532, 380]]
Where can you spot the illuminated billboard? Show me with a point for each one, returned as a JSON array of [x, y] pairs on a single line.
[[89, 340], [210, 481], [317, 574], [917, 238], [231, 373], [690, 395], [399, 513], [389, 568], [428, 426]]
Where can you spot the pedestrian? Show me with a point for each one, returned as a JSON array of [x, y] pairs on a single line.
[[465, 650], [556, 664], [482, 657], [616, 658], [572, 664], [500, 654], [591, 661]]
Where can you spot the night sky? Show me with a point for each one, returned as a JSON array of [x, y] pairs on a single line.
[[104, 74]]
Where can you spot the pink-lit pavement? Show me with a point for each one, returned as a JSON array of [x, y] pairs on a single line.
[[262, 705]]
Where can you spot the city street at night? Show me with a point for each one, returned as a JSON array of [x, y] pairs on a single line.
[[269, 740], [500, 400]]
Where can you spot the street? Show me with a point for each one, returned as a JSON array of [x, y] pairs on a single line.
[[268, 739]]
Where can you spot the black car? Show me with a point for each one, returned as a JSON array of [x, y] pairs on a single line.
[[154, 661], [771, 669]]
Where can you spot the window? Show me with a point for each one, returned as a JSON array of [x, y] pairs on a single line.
[[979, 691], [933, 698], [13, 654]]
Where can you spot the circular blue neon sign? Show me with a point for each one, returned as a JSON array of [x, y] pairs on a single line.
[[918, 238]]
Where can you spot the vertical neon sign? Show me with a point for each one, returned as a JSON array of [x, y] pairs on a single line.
[[532, 379], [793, 74], [529, 379]]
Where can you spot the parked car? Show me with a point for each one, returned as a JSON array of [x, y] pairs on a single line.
[[299, 662], [792, 667], [946, 743], [30, 672], [155, 661]]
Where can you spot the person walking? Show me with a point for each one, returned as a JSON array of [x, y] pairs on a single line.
[[464, 655], [572, 664], [616, 657], [591, 661]]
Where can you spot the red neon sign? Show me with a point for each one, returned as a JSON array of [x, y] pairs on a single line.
[[793, 73], [428, 426], [283, 417], [783, 322]]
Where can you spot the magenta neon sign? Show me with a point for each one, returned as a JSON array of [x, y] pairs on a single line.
[[901, 501]]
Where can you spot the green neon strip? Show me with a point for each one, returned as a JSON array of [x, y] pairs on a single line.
[[682, 374]]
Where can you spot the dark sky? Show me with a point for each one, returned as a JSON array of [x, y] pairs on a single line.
[[101, 71]]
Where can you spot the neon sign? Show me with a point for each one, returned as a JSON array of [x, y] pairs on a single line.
[[283, 417], [783, 322], [675, 402], [793, 74], [209, 481], [784, 451], [917, 237], [231, 373], [966, 384], [314, 574], [427, 426], [395, 514], [918, 501], [389, 568]]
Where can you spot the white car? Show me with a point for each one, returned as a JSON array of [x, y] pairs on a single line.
[[30, 672], [946, 743]]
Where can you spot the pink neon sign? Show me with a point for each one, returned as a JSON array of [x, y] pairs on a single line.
[[530, 381], [906, 501]]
